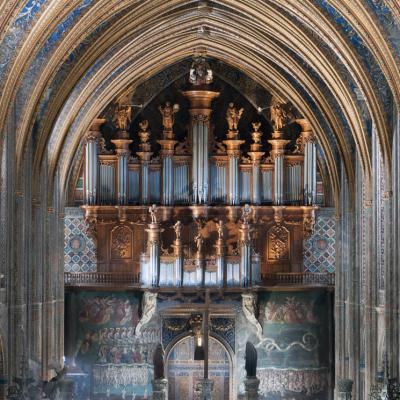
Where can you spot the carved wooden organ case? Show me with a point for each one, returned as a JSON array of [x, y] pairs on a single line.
[[201, 212]]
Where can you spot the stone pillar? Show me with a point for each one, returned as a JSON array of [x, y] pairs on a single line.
[[255, 155], [91, 161], [153, 246], [200, 112], [251, 386], [123, 153], [310, 162], [160, 389], [278, 156], [167, 153]]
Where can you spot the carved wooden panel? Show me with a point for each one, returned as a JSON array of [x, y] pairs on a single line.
[[278, 243], [121, 243]]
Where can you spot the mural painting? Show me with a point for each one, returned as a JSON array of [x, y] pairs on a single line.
[[109, 358], [295, 349]]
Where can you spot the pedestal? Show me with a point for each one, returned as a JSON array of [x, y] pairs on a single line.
[[251, 388], [160, 389], [205, 388]]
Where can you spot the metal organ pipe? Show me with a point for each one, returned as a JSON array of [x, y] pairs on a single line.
[[91, 165]]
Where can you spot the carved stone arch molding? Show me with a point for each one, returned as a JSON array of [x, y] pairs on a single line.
[[121, 243], [278, 242]]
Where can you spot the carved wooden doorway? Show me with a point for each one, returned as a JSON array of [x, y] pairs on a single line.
[[184, 372]]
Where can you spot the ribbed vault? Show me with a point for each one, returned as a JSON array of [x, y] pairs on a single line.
[[296, 51]]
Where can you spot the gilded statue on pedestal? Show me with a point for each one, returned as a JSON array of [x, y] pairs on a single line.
[[281, 114], [178, 230], [233, 116], [144, 133], [220, 229], [153, 215], [123, 118], [168, 112]]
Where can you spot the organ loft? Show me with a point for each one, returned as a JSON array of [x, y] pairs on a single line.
[[201, 211], [198, 207]]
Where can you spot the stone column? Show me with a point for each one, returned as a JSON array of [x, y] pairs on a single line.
[[123, 153], [251, 386], [277, 155], [91, 161], [153, 246], [310, 162], [255, 155], [160, 389], [200, 112], [167, 153]]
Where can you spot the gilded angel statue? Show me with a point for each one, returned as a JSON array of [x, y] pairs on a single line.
[[168, 112], [123, 117], [233, 116]]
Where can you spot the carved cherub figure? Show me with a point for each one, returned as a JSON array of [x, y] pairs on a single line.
[[153, 215], [144, 133], [233, 116], [199, 242], [168, 112], [256, 126], [178, 230], [220, 229], [246, 211]]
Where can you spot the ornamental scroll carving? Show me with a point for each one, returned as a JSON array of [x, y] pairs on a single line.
[[121, 243], [278, 243]]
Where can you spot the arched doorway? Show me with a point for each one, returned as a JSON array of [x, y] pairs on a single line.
[[184, 372]]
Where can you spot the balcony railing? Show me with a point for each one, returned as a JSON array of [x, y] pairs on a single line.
[[299, 278], [101, 279], [109, 279]]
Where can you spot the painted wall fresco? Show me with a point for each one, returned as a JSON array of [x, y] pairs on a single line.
[[79, 248], [107, 358], [319, 250], [295, 350], [184, 373]]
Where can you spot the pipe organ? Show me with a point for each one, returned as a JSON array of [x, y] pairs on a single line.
[[202, 211]]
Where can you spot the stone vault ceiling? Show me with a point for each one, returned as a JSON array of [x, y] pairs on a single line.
[[62, 62]]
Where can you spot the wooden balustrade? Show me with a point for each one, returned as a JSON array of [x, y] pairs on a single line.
[[110, 279], [299, 278], [101, 279]]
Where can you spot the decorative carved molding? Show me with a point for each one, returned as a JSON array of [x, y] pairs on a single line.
[[278, 243], [121, 243]]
